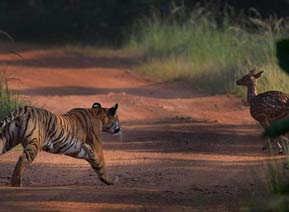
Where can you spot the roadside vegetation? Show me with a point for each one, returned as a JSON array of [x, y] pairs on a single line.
[[8, 100], [209, 52], [202, 47], [274, 194]]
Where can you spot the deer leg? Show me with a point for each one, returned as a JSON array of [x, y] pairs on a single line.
[[284, 138], [268, 141], [279, 147], [267, 144], [285, 142]]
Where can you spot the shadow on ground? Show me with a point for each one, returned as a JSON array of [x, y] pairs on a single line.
[[147, 181], [189, 136], [155, 90], [70, 61]]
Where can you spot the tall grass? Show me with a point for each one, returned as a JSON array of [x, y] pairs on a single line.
[[275, 194], [8, 100], [210, 50]]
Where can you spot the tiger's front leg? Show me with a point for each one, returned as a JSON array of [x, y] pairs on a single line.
[[29, 154], [96, 160]]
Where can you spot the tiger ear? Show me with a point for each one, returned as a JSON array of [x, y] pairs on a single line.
[[96, 105], [112, 110]]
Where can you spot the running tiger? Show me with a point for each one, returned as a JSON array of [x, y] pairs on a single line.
[[76, 134]]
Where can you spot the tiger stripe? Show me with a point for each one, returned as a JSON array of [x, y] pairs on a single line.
[[76, 133]]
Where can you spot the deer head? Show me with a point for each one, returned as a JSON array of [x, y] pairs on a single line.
[[250, 79]]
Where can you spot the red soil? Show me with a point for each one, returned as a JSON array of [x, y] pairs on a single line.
[[182, 150]]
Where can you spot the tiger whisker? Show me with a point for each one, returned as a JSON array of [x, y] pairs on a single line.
[[120, 134]]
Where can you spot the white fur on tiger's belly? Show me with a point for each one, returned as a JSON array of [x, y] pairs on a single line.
[[75, 148]]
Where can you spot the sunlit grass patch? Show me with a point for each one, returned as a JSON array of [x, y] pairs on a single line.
[[208, 52]]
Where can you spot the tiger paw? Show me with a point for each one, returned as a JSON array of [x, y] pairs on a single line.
[[116, 179], [16, 182], [108, 181]]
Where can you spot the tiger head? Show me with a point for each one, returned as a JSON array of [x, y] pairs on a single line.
[[110, 120]]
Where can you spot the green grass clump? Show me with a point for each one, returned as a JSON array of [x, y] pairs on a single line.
[[275, 194], [208, 51], [8, 100]]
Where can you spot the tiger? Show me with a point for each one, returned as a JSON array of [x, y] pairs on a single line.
[[77, 133]]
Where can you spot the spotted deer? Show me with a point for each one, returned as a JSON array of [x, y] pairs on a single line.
[[265, 107]]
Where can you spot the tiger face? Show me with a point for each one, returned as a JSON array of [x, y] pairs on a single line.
[[110, 122]]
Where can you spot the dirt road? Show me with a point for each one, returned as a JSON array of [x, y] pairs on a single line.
[[182, 150]]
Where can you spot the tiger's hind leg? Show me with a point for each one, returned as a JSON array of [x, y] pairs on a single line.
[[96, 160], [29, 154], [9, 136]]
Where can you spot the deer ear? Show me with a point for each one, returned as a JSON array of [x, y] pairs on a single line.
[[252, 72], [96, 105], [112, 110], [258, 75]]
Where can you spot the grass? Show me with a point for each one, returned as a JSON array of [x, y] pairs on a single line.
[[8, 100], [210, 54], [275, 194], [197, 48]]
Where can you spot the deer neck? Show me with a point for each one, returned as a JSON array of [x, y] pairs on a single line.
[[251, 92]]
